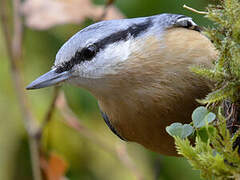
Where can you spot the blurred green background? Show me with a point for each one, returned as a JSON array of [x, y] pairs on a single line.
[[86, 160]]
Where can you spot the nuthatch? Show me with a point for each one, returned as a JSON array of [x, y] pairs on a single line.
[[138, 69]]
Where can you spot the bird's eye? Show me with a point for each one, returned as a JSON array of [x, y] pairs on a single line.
[[89, 52]]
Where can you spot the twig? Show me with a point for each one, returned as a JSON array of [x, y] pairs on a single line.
[[107, 4], [29, 122], [124, 157], [194, 10], [18, 31], [72, 121], [51, 108], [49, 113], [5, 27]]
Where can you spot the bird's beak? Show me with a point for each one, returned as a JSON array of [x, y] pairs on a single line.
[[48, 79]]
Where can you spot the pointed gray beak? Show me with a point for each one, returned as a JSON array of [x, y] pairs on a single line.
[[48, 79]]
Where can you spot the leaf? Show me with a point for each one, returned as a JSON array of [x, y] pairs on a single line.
[[201, 116], [45, 14], [206, 132], [54, 167], [180, 130], [203, 134]]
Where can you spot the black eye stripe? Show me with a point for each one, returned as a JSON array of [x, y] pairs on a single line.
[[86, 54], [186, 22], [134, 31], [181, 16], [123, 35], [89, 52], [66, 66]]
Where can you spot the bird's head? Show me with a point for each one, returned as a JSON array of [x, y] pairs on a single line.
[[104, 49]]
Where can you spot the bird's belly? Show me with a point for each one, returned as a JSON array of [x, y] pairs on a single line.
[[147, 127]]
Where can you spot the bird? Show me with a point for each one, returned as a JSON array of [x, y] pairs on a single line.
[[138, 69]]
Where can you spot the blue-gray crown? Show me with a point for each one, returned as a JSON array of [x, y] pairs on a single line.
[[85, 44]]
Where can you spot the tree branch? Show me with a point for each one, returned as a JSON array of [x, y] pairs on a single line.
[[49, 113], [127, 161], [194, 10], [72, 121], [105, 10], [18, 31], [14, 52]]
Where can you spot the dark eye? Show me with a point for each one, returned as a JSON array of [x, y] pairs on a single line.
[[89, 52]]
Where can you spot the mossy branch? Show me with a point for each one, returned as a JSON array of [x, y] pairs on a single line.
[[216, 150]]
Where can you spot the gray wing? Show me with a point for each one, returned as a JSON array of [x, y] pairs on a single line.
[[107, 121]]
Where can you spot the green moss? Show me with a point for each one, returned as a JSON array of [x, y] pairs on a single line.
[[213, 153]]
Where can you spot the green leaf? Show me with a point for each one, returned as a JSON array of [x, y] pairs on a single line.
[[201, 116], [206, 132], [203, 134], [212, 131], [180, 130]]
